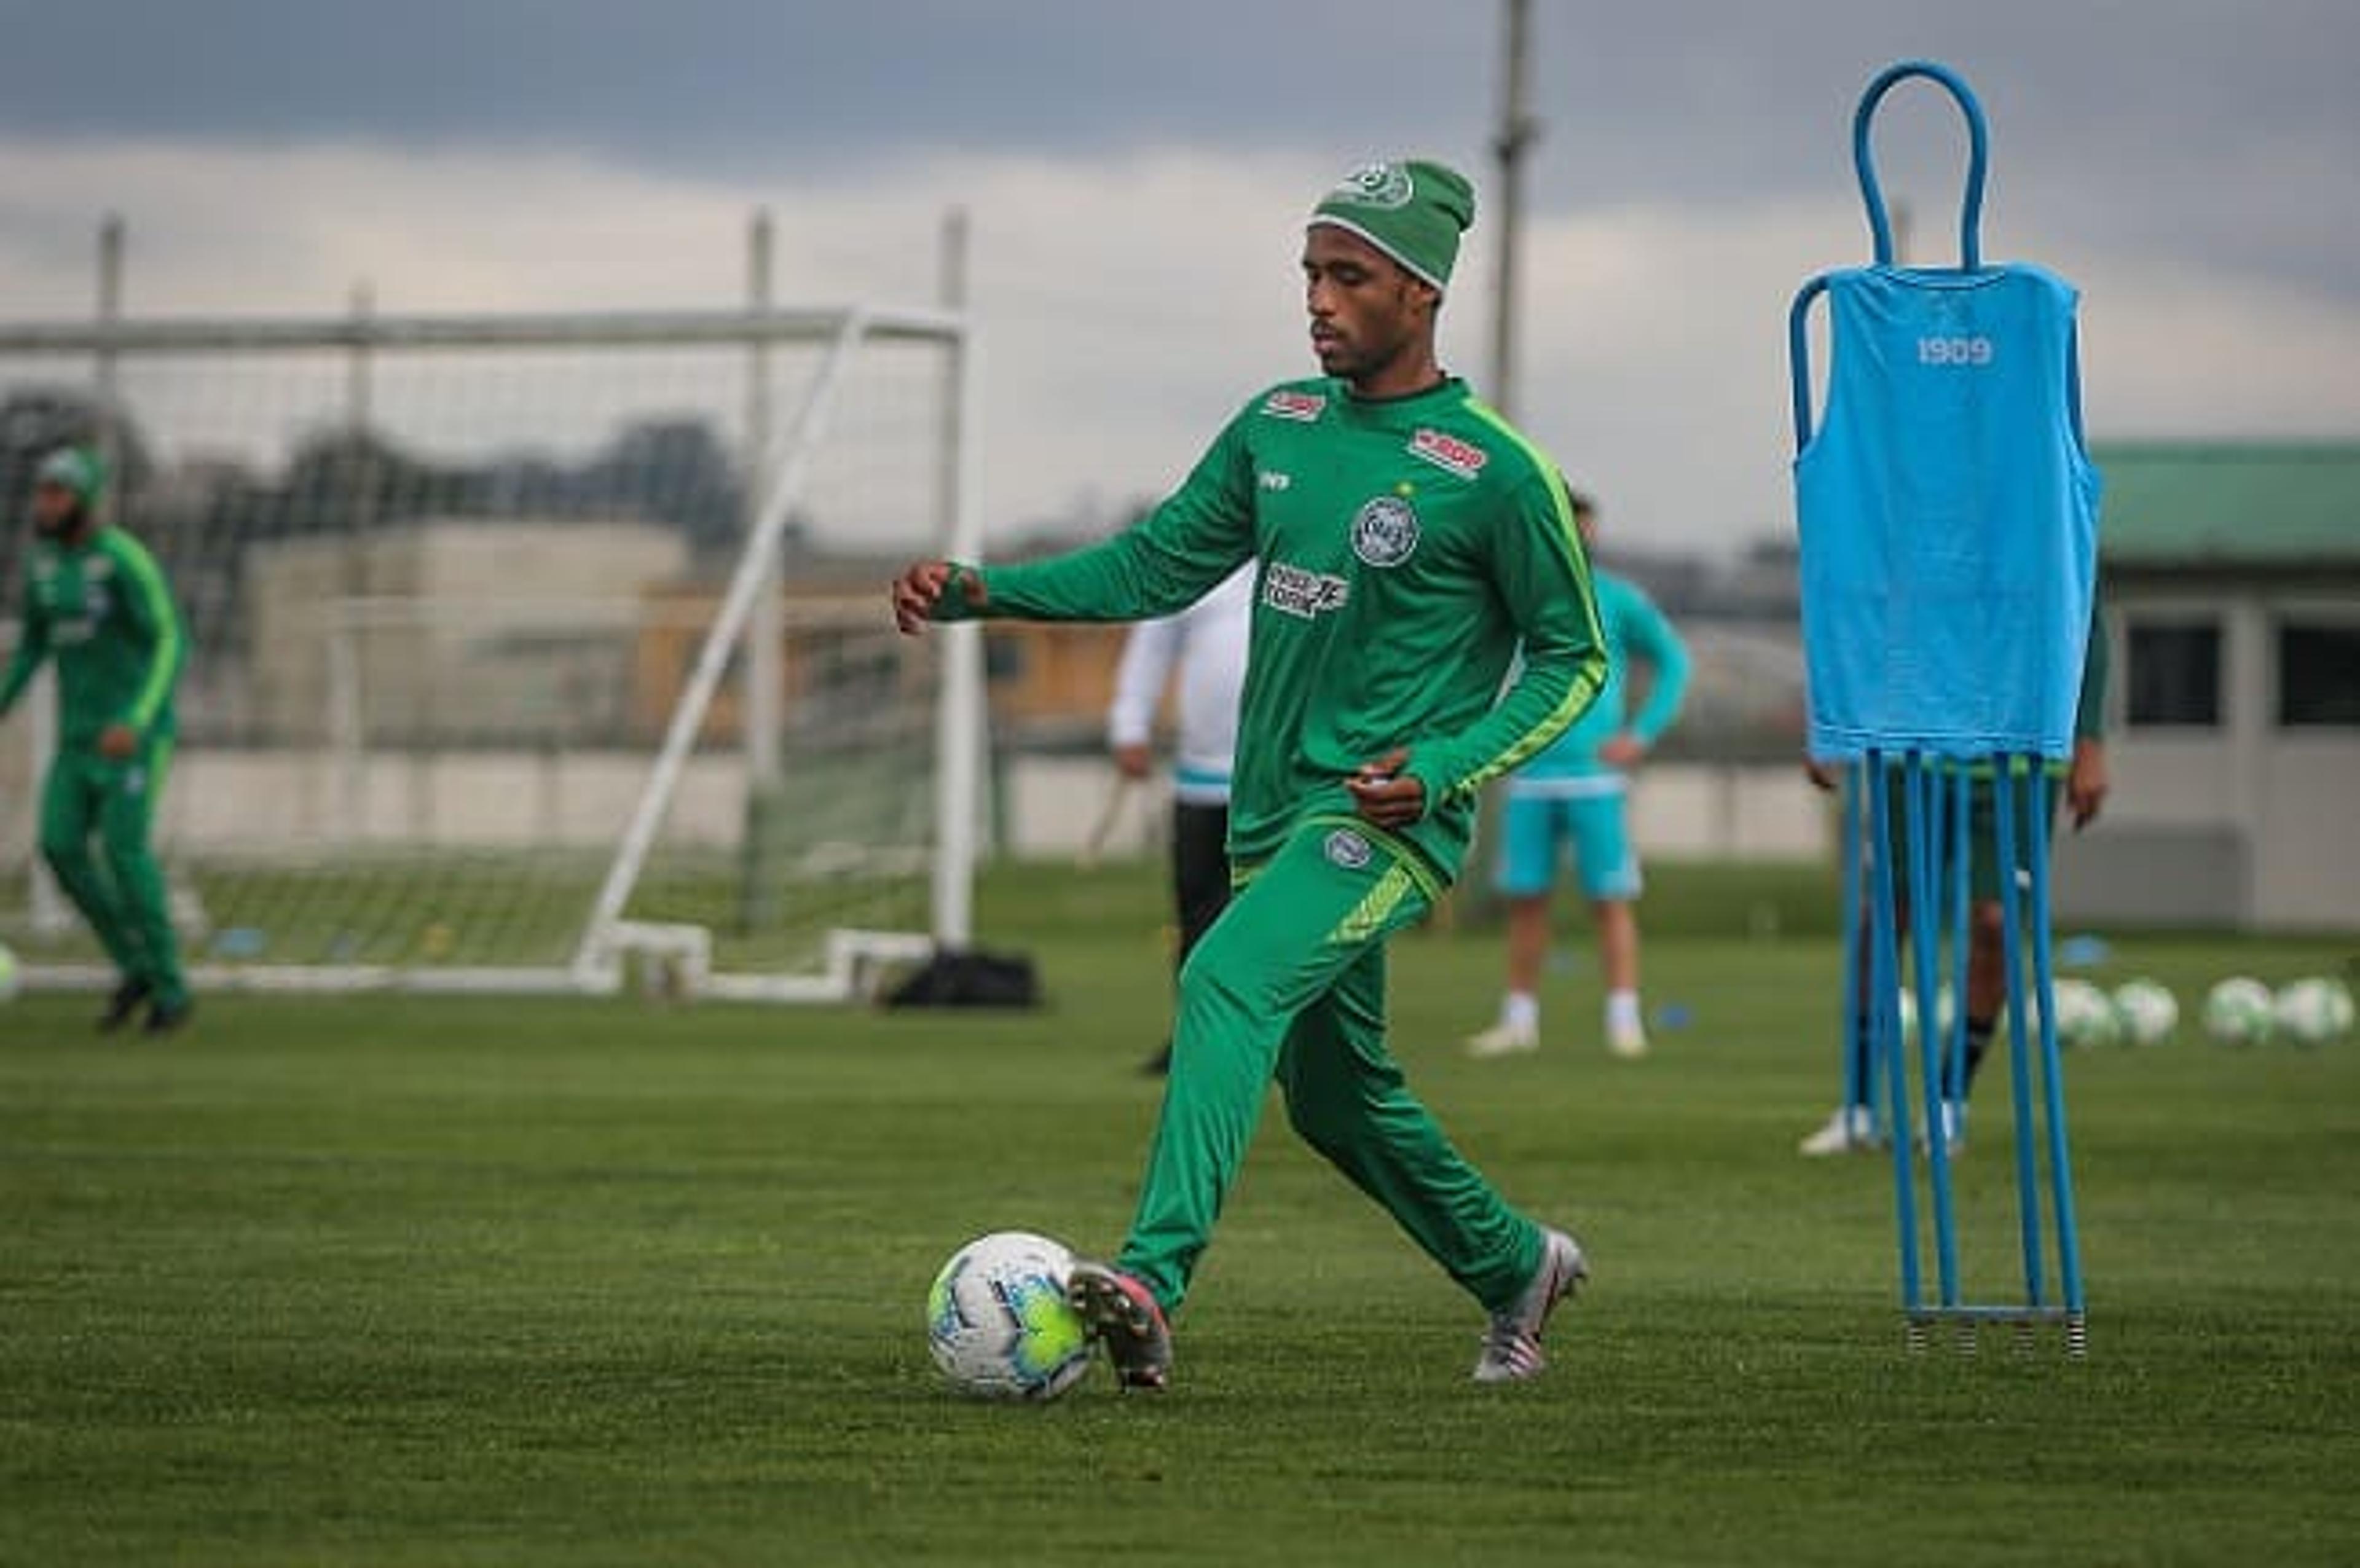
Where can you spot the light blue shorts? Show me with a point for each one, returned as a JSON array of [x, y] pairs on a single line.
[[1535, 831]]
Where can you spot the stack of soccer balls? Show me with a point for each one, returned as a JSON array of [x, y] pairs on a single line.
[[2312, 1011], [997, 1322], [2238, 1011], [2140, 1012]]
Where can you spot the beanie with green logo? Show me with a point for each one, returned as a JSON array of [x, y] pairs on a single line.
[[1412, 210]]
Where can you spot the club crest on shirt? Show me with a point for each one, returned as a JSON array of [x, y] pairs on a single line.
[[1448, 453], [1346, 848], [1301, 406], [1384, 531]]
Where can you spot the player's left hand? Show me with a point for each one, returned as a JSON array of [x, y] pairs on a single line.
[[117, 741], [1624, 750], [1386, 796], [2085, 783]]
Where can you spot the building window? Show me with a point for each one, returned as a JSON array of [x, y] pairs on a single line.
[[2175, 674], [2319, 676]]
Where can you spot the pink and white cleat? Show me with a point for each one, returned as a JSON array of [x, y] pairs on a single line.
[[1121, 1314]]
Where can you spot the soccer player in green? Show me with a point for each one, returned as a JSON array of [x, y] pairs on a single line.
[[1408, 541], [96, 602]]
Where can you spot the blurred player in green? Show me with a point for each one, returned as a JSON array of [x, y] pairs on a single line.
[[96, 602]]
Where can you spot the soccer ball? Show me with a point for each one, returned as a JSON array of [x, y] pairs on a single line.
[[1945, 1012], [2314, 1011], [997, 1322], [2085, 1015], [2148, 1013], [2239, 1011]]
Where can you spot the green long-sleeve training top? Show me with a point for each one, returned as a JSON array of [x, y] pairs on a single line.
[[102, 609], [1406, 549]]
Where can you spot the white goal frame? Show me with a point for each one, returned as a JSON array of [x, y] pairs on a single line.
[[609, 943]]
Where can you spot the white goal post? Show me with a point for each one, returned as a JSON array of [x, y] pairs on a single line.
[[419, 745]]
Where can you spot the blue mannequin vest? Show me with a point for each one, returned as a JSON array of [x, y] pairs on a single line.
[[1947, 505]]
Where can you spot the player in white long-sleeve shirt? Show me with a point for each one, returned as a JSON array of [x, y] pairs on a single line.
[[1206, 643]]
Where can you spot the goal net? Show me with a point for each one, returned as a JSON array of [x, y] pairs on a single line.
[[529, 653]]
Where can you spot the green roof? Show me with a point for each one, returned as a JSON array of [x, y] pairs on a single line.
[[2260, 504]]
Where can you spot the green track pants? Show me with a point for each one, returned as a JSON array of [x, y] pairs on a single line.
[[119, 891], [1290, 982]]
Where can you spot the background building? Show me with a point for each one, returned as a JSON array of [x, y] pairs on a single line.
[[2232, 571]]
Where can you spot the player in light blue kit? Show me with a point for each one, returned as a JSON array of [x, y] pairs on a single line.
[[1577, 790]]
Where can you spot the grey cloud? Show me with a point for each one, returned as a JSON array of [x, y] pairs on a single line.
[[2217, 132]]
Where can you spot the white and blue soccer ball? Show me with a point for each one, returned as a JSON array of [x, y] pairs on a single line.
[[2240, 1011], [2147, 1010], [2085, 1015], [998, 1321], [2312, 1011]]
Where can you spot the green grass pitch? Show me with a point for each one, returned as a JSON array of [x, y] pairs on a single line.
[[386, 1281]]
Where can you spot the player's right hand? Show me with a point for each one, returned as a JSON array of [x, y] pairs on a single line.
[[1132, 759], [2086, 782], [1386, 795], [916, 592]]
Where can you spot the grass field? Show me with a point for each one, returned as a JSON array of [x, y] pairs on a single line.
[[395, 1281]]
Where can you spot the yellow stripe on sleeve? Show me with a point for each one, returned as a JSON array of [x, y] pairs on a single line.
[[164, 660], [1583, 688]]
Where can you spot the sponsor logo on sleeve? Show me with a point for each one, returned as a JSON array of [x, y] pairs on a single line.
[[1448, 454], [1384, 531], [1301, 406], [1305, 594]]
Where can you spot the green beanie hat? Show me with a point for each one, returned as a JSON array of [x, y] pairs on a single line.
[[1412, 210], [74, 468]]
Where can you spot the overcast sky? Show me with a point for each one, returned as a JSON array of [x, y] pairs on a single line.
[[1136, 177]]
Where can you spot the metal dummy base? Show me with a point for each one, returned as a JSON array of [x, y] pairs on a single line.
[[1919, 1323]]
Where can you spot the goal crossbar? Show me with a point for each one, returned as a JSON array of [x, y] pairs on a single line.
[[597, 329]]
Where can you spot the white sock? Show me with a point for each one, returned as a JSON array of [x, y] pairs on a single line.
[[1521, 1010], [1621, 1012]]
